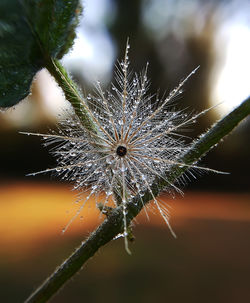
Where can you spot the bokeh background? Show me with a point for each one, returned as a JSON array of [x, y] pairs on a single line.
[[209, 261]]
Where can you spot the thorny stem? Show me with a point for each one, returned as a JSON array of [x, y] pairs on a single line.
[[113, 224]]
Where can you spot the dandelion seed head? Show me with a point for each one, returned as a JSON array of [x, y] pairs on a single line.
[[137, 140]]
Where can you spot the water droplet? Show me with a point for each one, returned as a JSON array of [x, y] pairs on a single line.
[[123, 168], [110, 159], [109, 193]]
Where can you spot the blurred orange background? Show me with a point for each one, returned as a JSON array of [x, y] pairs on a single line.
[[210, 256]]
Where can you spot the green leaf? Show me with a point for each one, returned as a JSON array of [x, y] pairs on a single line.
[[32, 31]]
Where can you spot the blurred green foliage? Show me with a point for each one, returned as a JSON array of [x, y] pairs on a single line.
[[32, 31]]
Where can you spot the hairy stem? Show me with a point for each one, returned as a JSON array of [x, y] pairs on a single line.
[[71, 92], [113, 224]]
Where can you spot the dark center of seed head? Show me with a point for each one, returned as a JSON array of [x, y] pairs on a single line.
[[121, 151]]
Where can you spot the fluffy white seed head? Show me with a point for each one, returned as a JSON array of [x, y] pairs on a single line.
[[138, 139]]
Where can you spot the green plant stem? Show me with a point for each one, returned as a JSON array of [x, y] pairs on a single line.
[[71, 92], [113, 224]]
